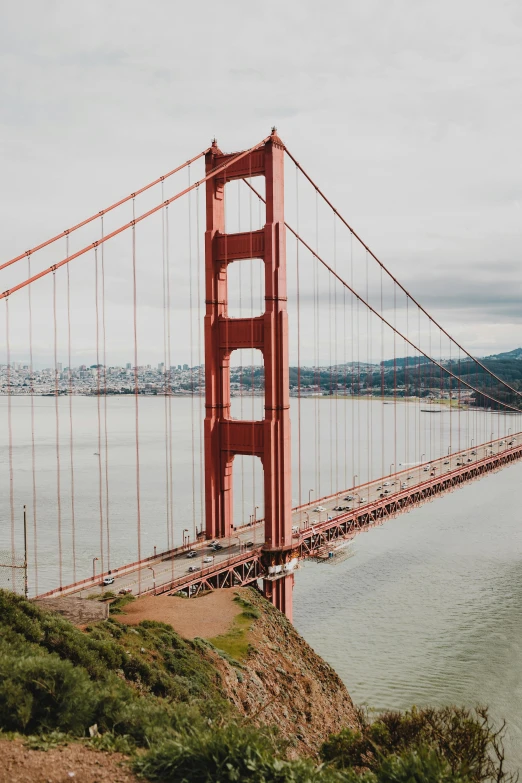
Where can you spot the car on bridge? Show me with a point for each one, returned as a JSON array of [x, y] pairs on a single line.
[[191, 569], [317, 509], [192, 553], [208, 559]]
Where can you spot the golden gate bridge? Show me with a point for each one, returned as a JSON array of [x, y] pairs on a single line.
[[250, 257]]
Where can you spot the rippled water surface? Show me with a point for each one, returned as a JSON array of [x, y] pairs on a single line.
[[428, 610]]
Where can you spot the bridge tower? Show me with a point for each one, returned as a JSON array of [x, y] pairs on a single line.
[[268, 438]]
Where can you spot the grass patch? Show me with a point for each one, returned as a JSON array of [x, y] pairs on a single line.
[[236, 642]]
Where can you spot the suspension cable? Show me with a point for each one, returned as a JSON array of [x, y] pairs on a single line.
[[354, 233], [386, 322], [102, 212], [132, 223]]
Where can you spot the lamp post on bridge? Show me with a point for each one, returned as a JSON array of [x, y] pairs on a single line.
[[153, 578], [309, 498], [185, 538], [355, 476], [94, 567], [392, 465]]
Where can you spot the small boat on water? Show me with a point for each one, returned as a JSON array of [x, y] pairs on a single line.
[[430, 410]]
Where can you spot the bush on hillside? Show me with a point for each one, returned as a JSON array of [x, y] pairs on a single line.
[[463, 739], [43, 694], [231, 754]]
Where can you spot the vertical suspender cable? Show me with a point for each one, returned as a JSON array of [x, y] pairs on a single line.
[[105, 429], [352, 340], [57, 419], [166, 371], [70, 395], [169, 362], [191, 349], [336, 359], [33, 449], [318, 361], [98, 406], [136, 392], [10, 446], [200, 366]]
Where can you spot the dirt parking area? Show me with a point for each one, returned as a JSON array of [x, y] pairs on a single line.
[[207, 616]]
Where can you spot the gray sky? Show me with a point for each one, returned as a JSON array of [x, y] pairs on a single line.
[[408, 114]]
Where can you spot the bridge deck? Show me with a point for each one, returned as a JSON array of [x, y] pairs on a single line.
[[239, 562]]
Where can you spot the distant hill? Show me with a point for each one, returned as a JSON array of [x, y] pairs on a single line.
[[516, 353]]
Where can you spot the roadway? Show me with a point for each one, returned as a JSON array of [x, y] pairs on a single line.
[[166, 567]]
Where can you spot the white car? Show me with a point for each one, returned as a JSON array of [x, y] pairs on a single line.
[[108, 580], [208, 559], [319, 508]]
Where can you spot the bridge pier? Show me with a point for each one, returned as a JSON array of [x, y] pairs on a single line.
[[280, 593]]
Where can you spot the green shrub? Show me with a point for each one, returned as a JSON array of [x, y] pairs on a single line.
[[232, 754], [44, 693], [463, 740]]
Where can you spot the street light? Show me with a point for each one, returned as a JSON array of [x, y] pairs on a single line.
[[307, 518], [309, 498], [422, 455], [153, 578], [392, 465], [356, 476], [185, 530], [94, 567], [255, 514], [472, 439]]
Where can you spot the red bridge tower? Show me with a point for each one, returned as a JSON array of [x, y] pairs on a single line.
[[268, 438]]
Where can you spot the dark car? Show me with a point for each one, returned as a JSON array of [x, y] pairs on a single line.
[[191, 553]]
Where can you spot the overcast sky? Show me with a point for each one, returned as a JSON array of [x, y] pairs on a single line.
[[407, 113]]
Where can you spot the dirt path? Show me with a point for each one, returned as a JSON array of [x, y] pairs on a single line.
[[66, 764], [207, 616]]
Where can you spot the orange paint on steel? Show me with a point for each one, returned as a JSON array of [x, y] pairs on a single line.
[[101, 212], [268, 438]]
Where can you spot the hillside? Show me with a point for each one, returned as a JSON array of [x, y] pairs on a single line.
[[130, 696]]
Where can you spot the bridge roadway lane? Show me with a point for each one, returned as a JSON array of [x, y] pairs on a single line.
[[164, 569]]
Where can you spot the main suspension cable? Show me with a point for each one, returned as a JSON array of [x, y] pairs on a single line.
[[384, 267]]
